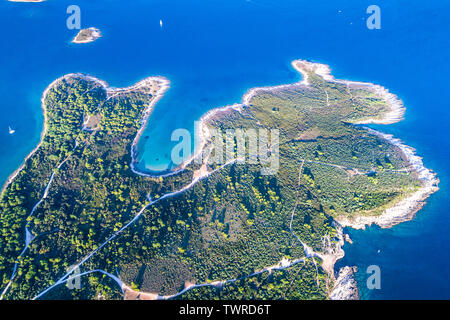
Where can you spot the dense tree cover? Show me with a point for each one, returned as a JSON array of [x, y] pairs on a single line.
[[65, 106], [301, 281], [227, 226], [92, 194]]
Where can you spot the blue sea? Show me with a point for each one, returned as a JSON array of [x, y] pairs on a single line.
[[214, 51]]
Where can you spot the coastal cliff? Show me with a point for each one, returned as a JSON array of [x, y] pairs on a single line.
[[346, 287]]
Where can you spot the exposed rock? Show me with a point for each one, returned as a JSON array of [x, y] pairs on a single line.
[[348, 239], [345, 287]]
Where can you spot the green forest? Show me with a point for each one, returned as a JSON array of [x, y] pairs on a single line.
[[228, 226]]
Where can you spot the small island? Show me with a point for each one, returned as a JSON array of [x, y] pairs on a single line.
[[87, 35]]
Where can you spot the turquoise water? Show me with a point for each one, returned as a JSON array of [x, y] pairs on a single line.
[[214, 51]]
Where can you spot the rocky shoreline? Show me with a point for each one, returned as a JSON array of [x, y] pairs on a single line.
[[394, 114], [406, 208], [162, 83], [156, 86], [346, 287], [87, 35]]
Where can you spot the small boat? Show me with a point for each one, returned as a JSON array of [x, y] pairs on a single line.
[[160, 23], [11, 131]]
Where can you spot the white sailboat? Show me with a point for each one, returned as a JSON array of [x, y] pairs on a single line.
[[11, 131], [160, 23]]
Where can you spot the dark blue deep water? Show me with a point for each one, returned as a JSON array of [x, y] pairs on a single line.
[[213, 51]]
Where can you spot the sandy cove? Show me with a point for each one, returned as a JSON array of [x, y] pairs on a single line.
[[404, 210], [203, 133], [155, 87], [155, 84], [395, 113], [163, 86], [345, 286]]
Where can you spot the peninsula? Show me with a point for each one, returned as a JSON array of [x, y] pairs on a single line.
[[208, 230]]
